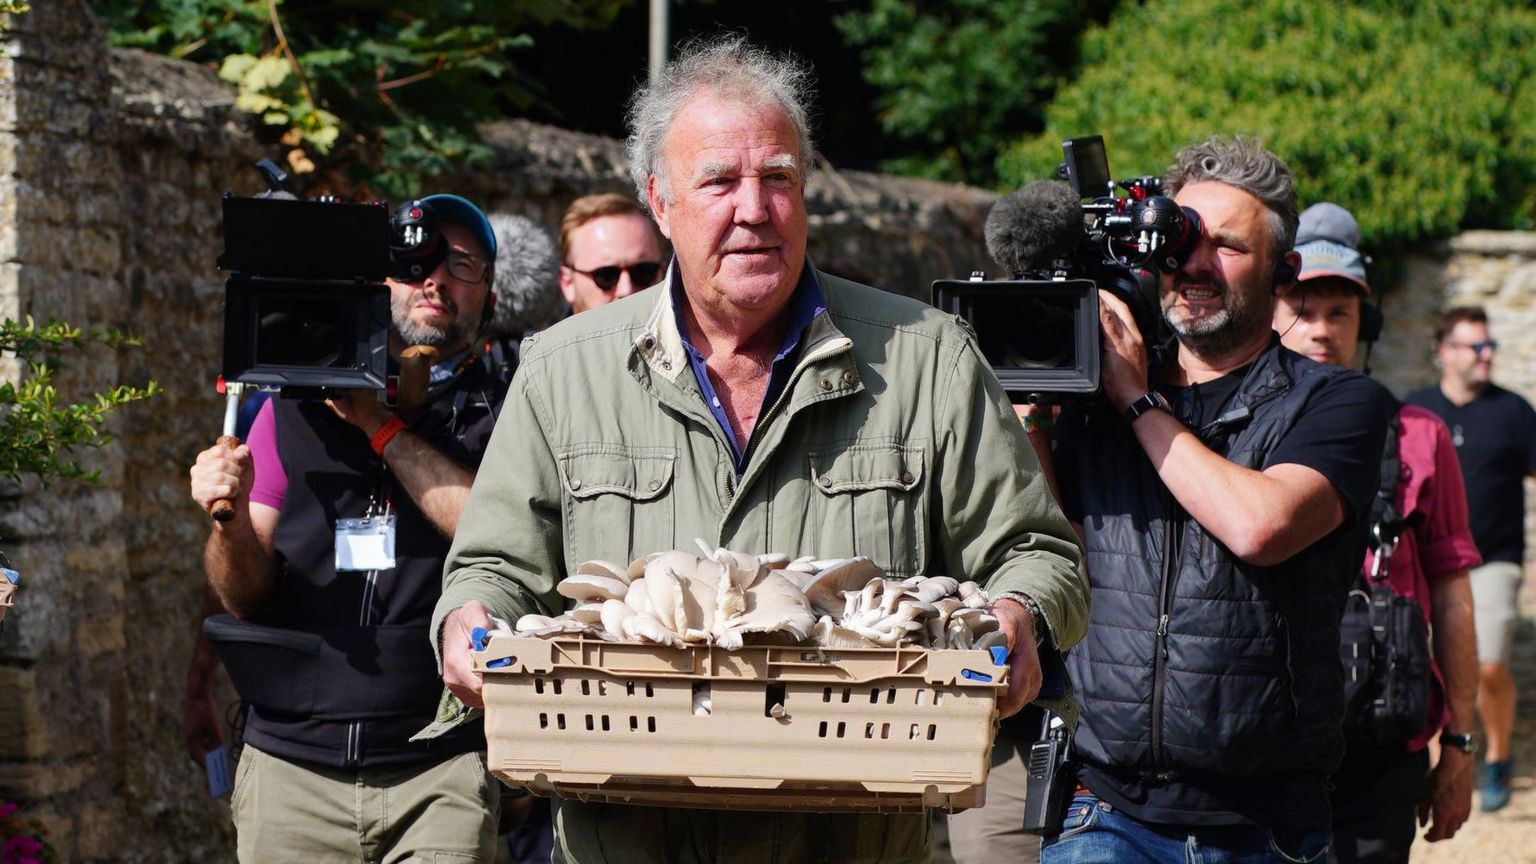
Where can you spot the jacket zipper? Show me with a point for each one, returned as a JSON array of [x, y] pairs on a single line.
[[1173, 552]]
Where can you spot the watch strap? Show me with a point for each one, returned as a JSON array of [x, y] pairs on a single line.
[[1148, 401]]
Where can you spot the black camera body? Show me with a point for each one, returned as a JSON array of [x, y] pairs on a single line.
[[1039, 330], [306, 307]]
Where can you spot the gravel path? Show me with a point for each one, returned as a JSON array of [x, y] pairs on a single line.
[[1510, 834]]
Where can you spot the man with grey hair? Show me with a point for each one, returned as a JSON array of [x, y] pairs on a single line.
[[1220, 497], [762, 405]]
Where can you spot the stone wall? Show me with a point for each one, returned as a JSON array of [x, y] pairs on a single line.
[[1492, 269], [111, 167]]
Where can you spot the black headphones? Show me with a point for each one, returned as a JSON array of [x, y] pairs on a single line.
[[1371, 321]]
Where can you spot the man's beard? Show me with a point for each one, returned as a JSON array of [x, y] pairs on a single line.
[[1223, 331], [413, 333]]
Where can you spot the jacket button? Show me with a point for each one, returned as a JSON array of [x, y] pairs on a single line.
[[825, 480], [849, 378], [666, 365], [647, 343], [826, 384], [575, 483], [655, 484], [906, 477]]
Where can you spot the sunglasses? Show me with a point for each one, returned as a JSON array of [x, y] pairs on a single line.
[[642, 273], [1490, 346]]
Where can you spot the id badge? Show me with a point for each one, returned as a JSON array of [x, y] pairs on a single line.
[[365, 544]]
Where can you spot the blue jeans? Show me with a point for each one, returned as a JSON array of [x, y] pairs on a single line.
[[1093, 832]]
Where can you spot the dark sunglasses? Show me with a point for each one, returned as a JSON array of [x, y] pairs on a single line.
[[642, 273], [1478, 347]]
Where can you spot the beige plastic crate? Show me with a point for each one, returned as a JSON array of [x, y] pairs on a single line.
[[888, 730]]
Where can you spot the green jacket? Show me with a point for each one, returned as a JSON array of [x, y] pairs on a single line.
[[892, 440]]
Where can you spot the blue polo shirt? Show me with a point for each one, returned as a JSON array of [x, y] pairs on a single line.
[[808, 302]]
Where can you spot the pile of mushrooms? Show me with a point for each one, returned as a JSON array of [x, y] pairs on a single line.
[[730, 599]]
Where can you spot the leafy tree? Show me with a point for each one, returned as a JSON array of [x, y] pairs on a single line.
[[38, 427], [390, 90], [958, 77], [1415, 116]]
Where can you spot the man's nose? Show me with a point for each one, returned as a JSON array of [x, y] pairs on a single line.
[[626, 284], [751, 203]]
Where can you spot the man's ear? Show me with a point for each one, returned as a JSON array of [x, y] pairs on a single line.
[[568, 284], [658, 205]]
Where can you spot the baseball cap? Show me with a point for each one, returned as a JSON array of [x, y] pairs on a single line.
[[1328, 240], [461, 211]]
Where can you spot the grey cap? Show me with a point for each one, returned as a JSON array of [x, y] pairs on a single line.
[[1328, 240]]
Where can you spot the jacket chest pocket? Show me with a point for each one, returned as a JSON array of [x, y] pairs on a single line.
[[870, 500], [618, 502]]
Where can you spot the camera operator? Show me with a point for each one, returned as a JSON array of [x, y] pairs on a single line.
[[329, 773], [1220, 499], [1426, 549]]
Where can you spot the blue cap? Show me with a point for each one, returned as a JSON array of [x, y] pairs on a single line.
[[461, 211]]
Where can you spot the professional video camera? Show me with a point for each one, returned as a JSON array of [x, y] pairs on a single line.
[[306, 308], [1040, 329]]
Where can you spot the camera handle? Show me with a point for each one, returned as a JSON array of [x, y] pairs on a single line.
[[415, 374], [223, 509]]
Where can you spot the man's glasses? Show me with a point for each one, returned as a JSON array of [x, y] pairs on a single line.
[[1490, 346], [642, 273], [466, 267]]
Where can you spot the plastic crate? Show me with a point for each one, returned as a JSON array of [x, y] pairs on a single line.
[[888, 730]]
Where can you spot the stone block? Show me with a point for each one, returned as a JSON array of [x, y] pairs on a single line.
[[21, 715]]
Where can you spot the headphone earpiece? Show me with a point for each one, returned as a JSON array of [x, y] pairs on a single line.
[[1285, 273], [1371, 321]]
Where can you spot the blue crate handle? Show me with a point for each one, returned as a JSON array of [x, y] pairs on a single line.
[[976, 676], [999, 655], [478, 637]]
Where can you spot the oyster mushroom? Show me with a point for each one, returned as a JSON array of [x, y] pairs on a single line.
[[612, 614], [829, 634], [591, 588], [852, 574], [773, 604], [933, 588], [588, 613], [972, 594], [603, 568]]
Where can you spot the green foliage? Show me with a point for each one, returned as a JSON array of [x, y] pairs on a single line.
[[955, 78], [1415, 116], [393, 90], [15, 7], [38, 428]]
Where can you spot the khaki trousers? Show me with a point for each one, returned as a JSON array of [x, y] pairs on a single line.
[[439, 814], [995, 832]]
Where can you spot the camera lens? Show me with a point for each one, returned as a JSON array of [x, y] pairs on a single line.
[[1026, 332], [304, 331]]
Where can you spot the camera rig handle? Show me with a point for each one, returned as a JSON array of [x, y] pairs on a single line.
[[223, 510], [415, 374]]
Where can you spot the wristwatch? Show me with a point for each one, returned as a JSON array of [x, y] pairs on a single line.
[[1146, 403], [1466, 742]]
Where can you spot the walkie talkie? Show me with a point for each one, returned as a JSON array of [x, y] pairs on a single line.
[[1050, 777]]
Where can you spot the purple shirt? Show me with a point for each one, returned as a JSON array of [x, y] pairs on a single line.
[[808, 302]]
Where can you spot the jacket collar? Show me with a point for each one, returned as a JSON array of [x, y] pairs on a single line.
[[660, 342]]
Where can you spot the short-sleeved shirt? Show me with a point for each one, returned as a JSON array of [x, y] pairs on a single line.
[[1438, 542], [1495, 438], [1328, 437]]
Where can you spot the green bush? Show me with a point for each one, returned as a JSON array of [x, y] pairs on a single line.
[[1418, 117], [956, 77], [397, 86]]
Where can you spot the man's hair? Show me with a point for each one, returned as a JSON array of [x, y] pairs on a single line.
[[589, 207], [1456, 315], [725, 66], [1247, 165]]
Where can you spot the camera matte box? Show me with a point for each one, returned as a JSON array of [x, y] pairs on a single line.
[[1062, 312]]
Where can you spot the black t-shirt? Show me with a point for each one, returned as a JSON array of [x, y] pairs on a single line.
[[1495, 438], [1332, 436]]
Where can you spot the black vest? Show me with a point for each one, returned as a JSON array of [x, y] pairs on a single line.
[[1211, 688], [386, 687]]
